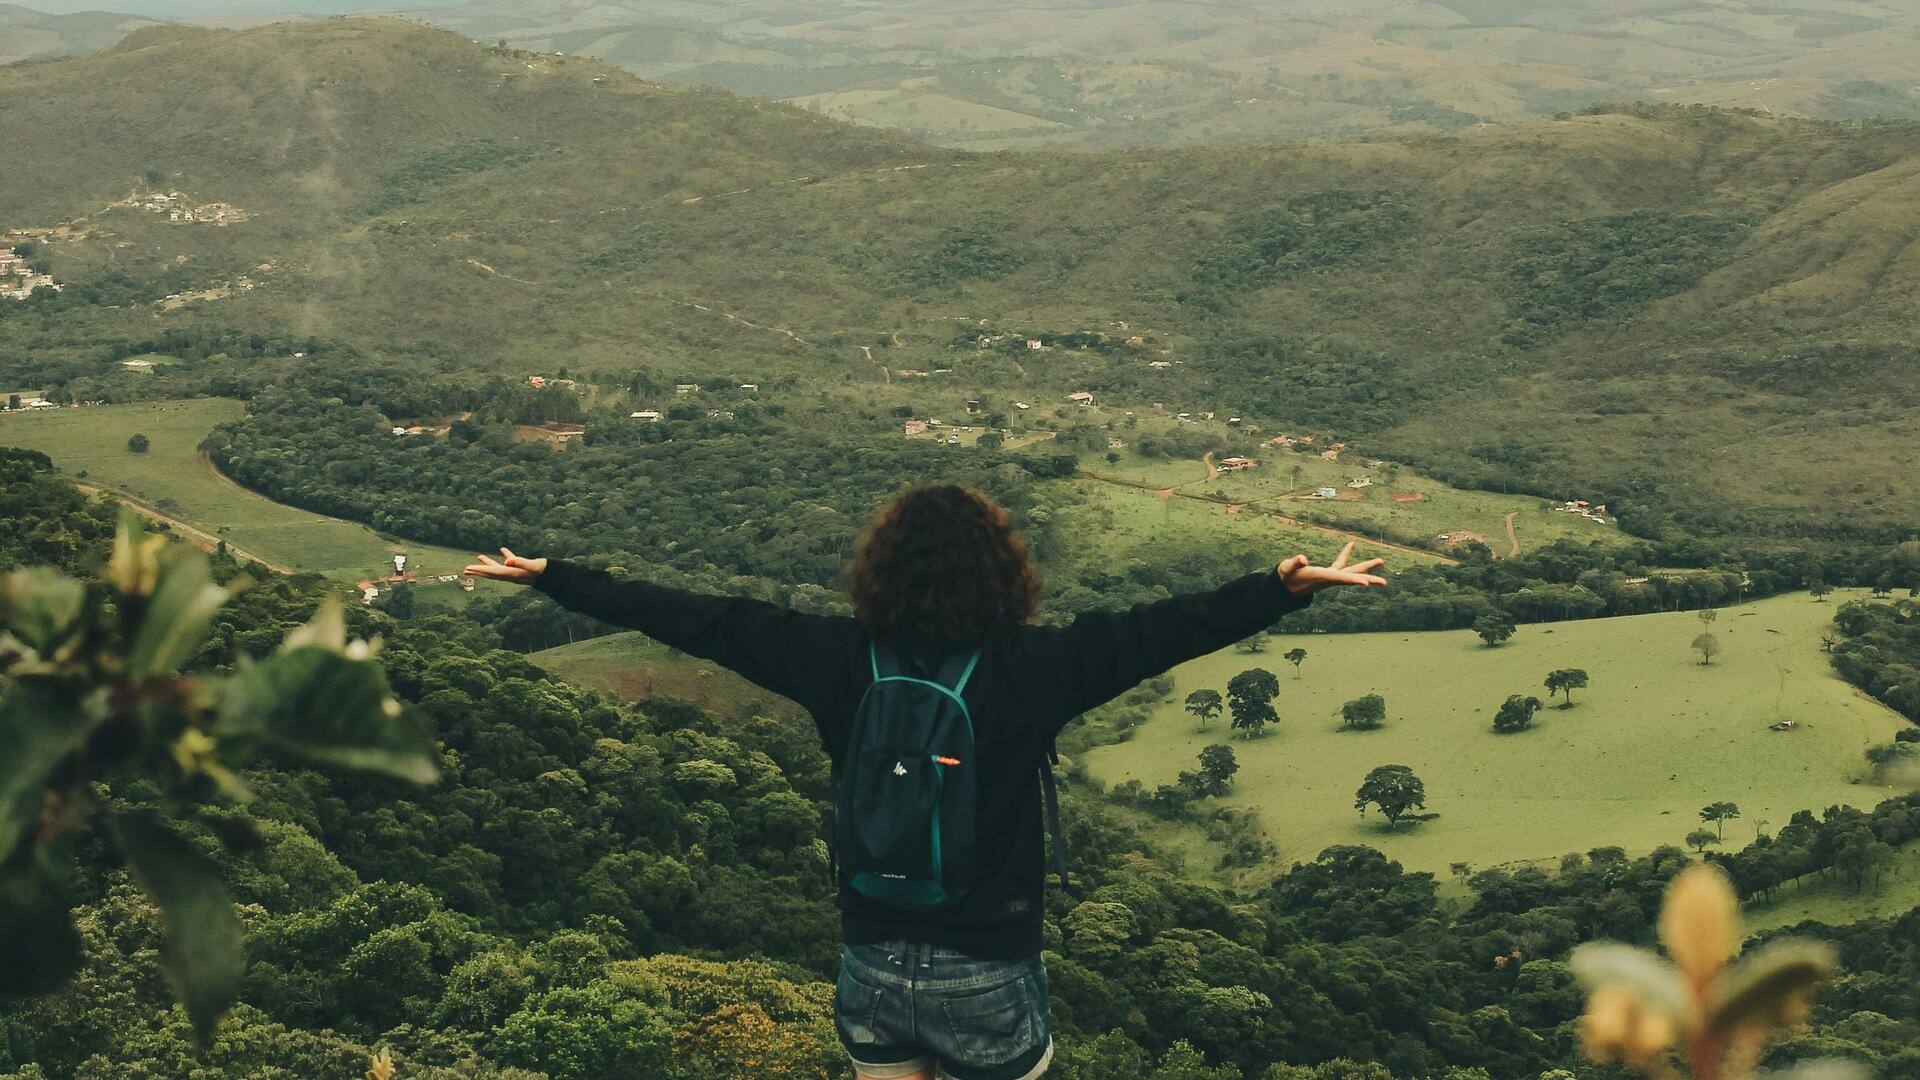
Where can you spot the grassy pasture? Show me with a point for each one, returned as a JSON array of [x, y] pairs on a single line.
[[1832, 901], [1656, 737], [1426, 507], [632, 665], [172, 479]]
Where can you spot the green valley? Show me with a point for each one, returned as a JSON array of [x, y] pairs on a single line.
[[1625, 395]]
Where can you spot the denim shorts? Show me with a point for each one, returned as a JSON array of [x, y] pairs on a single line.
[[901, 1006]]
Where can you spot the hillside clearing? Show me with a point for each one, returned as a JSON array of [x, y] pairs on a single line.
[[173, 479], [1656, 737]]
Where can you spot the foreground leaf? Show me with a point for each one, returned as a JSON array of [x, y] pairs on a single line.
[[39, 947], [180, 617], [320, 704], [202, 955], [39, 729], [1652, 981], [1769, 987], [41, 606]]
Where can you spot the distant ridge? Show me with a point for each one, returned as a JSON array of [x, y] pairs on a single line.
[[26, 34]]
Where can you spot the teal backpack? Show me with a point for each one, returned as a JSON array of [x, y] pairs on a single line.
[[906, 824]]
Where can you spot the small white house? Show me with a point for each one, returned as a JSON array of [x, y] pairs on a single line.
[[38, 403], [685, 387], [750, 387], [399, 431], [1081, 398], [1034, 343], [369, 594], [650, 416], [1359, 482], [1326, 493], [137, 365], [1022, 406]]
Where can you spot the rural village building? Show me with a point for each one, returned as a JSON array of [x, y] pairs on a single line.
[[1234, 464], [651, 416]]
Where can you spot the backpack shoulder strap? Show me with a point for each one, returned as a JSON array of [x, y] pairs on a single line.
[[1049, 790]]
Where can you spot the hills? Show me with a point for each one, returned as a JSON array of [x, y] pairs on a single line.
[[1165, 73], [1696, 313], [27, 34]]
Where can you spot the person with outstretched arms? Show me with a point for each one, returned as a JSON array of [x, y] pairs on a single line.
[[939, 700]]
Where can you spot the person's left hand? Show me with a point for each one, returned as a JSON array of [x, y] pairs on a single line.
[[511, 568], [1302, 577]]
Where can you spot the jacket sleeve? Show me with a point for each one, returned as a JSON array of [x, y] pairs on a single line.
[[1101, 655], [791, 653]]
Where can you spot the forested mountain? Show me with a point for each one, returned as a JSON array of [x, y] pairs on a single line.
[[1695, 313]]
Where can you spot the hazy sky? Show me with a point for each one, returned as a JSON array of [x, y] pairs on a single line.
[[188, 9]]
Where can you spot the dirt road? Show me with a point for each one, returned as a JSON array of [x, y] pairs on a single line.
[[1512, 537], [199, 536]]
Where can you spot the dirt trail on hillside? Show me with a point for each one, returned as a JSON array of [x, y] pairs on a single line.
[[1342, 534], [726, 315], [1512, 537], [199, 536]]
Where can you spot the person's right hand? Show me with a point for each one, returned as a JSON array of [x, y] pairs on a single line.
[[511, 568]]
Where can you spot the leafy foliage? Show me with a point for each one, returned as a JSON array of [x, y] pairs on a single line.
[[96, 692]]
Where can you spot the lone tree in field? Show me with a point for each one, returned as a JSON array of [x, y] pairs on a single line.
[[1364, 714], [1217, 767], [1252, 643], [1516, 714], [1698, 839], [1708, 647], [1250, 696], [1493, 628], [1394, 789], [1204, 705], [1566, 681], [1820, 589], [1719, 813], [1295, 656], [138, 443], [1707, 616]]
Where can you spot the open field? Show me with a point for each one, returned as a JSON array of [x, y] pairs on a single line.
[[90, 444], [1396, 504], [1831, 901], [632, 665], [1656, 737]]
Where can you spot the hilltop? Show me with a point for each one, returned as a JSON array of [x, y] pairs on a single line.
[[1697, 313]]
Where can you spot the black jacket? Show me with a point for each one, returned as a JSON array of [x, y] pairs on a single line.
[[1030, 681]]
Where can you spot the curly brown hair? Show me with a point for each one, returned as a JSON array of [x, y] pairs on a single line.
[[942, 563]]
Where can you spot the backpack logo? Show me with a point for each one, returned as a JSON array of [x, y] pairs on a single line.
[[899, 768]]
